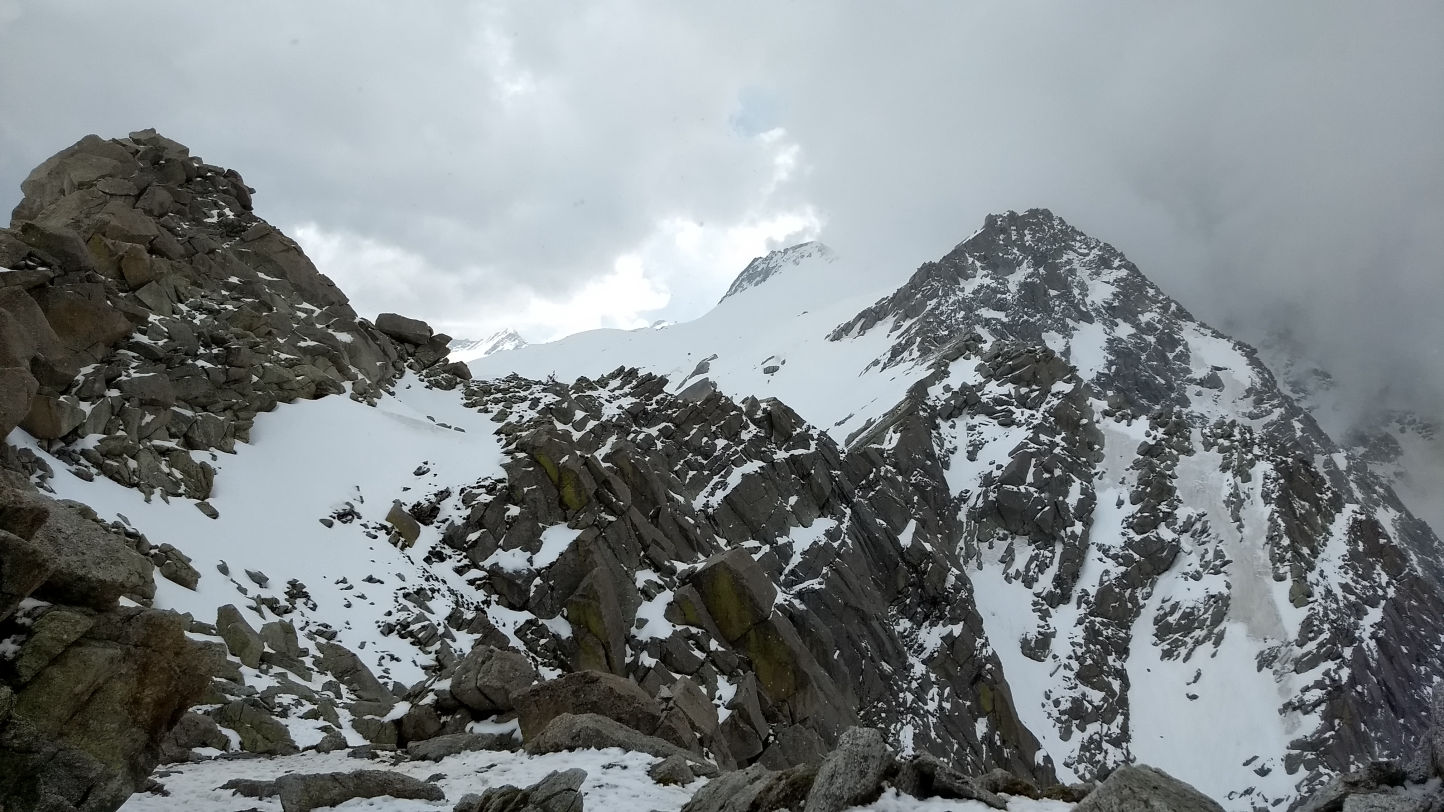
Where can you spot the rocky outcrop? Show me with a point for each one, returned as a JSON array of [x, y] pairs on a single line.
[[145, 267], [762, 630], [424, 347], [488, 679]]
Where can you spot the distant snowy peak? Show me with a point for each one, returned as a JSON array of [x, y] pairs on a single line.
[[470, 349], [761, 269]]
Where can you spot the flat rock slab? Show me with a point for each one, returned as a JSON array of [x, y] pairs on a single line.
[[304, 792]]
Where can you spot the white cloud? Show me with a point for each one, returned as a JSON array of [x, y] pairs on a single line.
[[1246, 155]]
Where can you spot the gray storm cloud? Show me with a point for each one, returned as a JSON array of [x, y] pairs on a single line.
[[1277, 167]]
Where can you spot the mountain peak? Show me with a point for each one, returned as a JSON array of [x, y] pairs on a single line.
[[469, 349], [760, 269]]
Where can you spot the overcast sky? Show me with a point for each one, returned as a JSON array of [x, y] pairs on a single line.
[[560, 167]]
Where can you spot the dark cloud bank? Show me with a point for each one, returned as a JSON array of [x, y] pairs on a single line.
[[1277, 167]]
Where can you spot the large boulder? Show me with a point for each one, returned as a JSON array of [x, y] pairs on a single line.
[[90, 565], [343, 664], [735, 592], [243, 641], [259, 731], [17, 387], [403, 524], [755, 789], [560, 791], [853, 773], [924, 776], [401, 328], [302, 792], [596, 692], [1138, 788], [439, 747], [51, 417], [487, 678], [195, 730], [84, 727], [590, 731]]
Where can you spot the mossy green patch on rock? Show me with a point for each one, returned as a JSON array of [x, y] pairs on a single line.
[[589, 630], [736, 593], [547, 465], [776, 664], [985, 698], [52, 633], [573, 493]]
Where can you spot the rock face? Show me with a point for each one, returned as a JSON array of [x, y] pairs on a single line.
[[88, 688], [1388, 785]]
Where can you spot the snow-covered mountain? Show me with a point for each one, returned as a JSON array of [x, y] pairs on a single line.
[[1016, 510], [1164, 547], [470, 349]]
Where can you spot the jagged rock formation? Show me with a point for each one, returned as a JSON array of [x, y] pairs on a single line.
[[149, 310], [146, 317]]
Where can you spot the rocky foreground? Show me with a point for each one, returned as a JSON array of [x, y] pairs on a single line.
[[696, 595]]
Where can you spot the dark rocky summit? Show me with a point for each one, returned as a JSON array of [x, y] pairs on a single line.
[[145, 305]]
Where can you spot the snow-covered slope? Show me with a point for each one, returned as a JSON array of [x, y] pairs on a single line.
[[305, 504], [768, 336]]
